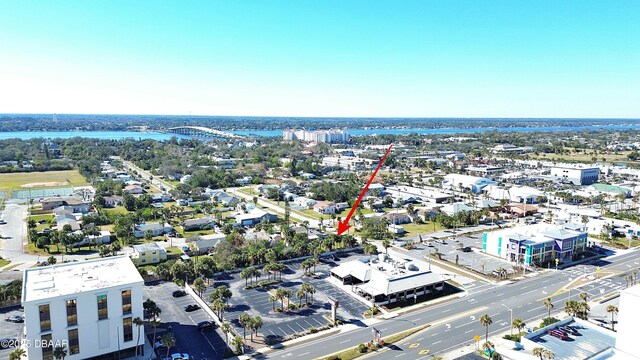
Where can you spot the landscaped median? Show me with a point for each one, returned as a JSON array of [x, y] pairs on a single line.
[[367, 348]]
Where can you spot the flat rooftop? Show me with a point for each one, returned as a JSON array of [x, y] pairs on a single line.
[[591, 341], [76, 277]]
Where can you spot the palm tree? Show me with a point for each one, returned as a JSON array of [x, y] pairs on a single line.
[[538, 351], [60, 352], [255, 325], [485, 321], [308, 289], [488, 346], [219, 307], [584, 296], [612, 309], [199, 286], [245, 321], [571, 307], [138, 323], [548, 354], [237, 344], [386, 244], [17, 354], [300, 294], [518, 324], [549, 305], [583, 310], [273, 300], [169, 341], [226, 329]]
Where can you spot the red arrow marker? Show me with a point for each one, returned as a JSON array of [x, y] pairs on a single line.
[[344, 225]]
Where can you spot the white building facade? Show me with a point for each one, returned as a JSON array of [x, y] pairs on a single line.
[[319, 136], [576, 175], [88, 307]]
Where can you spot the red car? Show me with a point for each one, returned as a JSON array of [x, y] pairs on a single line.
[[559, 334]]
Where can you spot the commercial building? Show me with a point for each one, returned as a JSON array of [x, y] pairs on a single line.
[[537, 244], [319, 136], [575, 175], [74, 203], [382, 279], [87, 306], [348, 163], [628, 320], [457, 182]]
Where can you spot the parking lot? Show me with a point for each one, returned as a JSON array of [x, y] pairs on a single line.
[[199, 345], [474, 259], [10, 330], [279, 325], [577, 346]]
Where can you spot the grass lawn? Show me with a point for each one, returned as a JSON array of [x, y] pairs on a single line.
[[117, 210], [33, 249], [4, 262], [584, 156], [14, 181], [41, 217], [173, 250], [417, 229]]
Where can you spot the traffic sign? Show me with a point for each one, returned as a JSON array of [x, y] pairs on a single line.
[[476, 338]]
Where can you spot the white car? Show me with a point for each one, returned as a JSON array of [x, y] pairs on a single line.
[[178, 356]]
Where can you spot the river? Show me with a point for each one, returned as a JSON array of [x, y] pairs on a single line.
[[119, 135]]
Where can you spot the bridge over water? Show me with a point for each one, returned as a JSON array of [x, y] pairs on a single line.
[[201, 131]]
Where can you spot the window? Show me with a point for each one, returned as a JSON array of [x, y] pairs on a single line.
[[72, 312], [47, 347], [103, 312], [74, 342], [45, 318], [126, 302], [127, 329]]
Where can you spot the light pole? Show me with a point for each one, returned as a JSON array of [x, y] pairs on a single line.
[[511, 323]]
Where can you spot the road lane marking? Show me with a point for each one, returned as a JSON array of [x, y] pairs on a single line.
[[346, 341], [400, 355], [414, 345], [436, 342], [303, 354]]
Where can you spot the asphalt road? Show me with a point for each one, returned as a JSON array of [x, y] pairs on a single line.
[[456, 322]]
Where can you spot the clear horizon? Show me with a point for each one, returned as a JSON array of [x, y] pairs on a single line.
[[410, 59]]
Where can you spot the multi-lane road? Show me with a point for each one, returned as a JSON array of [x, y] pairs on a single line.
[[455, 323]]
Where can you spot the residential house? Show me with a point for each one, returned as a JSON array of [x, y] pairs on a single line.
[[112, 201], [146, 254], [304, 202], [197, 224], [207, 243], [76, 204], [398, 218], [133, 189], [324, 207], [255, 216], [341, 206], [452, 209], [156, 229]]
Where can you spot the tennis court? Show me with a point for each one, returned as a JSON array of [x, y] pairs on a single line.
[[41, 193]]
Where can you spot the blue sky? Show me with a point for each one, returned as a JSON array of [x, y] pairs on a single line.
[[425, 58]]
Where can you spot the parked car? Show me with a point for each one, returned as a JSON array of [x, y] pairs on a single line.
[[466, 249], [178, 356], [15, 319], [191, 307], [559, 334], [205, 325], [568, 329], [178, 293], [2, 222]]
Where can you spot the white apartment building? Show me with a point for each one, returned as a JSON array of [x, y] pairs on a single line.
[[86, 306], [576, 175], [319, 136]]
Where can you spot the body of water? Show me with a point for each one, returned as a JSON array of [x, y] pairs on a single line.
[[119, 135]]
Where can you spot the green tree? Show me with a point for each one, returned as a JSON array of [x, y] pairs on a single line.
[[386, 244], [138, 323], [169, 341], [612, 309], [244, 320], [518, 324], [226, 329], [199, 286], [238, 344], [538, 351], [60, 352], [485, 320], [17, 354], [549, 305]]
